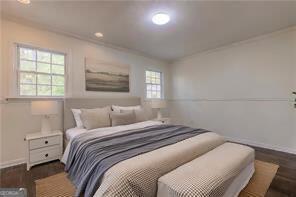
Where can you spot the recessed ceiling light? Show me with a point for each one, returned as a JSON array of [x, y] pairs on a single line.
[[160, 18], [24, 1], [99, 34]]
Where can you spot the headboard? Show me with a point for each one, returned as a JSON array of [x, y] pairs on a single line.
[[77, 103]]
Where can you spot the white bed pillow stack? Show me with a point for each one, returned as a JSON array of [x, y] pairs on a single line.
[[139, 111]]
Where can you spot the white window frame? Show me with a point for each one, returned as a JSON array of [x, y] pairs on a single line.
[[161, 83], [18, 71]]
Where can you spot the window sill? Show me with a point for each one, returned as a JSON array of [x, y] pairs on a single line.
[[29, 99]]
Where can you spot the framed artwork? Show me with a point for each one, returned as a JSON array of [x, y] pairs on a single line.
[[106, 77]]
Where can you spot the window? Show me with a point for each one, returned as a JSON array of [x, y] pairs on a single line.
[[153, 84], [40, 72]]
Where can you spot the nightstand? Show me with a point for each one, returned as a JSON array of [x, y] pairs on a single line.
[[164, 120], [43, 147]]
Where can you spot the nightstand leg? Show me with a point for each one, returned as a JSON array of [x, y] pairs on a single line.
[[28, 167]]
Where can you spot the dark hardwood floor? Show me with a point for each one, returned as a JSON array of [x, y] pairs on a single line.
[[283, 185], [18, 176]]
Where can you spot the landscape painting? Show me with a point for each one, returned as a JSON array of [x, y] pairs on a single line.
[[106, 77]]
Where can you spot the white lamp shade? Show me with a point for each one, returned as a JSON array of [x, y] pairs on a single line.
[[158, 104], [44, 107]]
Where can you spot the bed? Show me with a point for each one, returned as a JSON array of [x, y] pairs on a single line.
[[134, 171]]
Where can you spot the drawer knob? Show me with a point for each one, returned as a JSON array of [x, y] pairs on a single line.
[[46, 155], [46, 142]]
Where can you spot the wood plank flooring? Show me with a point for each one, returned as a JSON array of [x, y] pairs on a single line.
[[283, 185], [18, 176]]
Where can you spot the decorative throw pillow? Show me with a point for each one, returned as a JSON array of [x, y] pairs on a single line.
[[96, 118], [117, 108], [141, 114], [76, 114], [122, 118]]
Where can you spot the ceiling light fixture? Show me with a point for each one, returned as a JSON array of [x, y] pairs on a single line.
[[99, 34], [24, 1], [160, 18]]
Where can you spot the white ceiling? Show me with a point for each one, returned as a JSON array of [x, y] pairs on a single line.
[[195, 25]]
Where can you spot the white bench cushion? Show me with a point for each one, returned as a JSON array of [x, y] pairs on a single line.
[[207, 175]]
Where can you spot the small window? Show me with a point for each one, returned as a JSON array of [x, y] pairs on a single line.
[[153, 84], [41, 73]]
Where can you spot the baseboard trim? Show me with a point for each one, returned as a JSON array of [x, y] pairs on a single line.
[[262, 145], [11, 163]]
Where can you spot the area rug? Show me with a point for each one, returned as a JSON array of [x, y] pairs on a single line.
[[261, 180], [59, 184]]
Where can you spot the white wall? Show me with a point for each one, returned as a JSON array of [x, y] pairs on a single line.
[[16, 116], [242, 91]]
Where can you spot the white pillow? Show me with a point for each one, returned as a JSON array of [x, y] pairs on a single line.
[[117, 108], [76, 114], [96, 118], [141, 114]]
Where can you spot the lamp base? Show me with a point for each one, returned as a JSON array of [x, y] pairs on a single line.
[[45, 126]]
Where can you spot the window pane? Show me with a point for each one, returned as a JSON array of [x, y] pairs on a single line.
[[44, 90], [28, 54], [153, 84], [56, 69], [43, 67], [28, 78], [43, 56], [27, 90], [157, 81], [40, 72], [153, 80], [157, 74], [27, 65], [148, 94], [43, 79], [57, 80], [57, 90], [158, 87], [58, 59]]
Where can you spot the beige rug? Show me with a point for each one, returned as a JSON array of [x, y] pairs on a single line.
[[261, 180], [59, 185]]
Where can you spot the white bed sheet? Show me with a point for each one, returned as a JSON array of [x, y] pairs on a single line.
[[104, 131], [71, 133], [241, 181]]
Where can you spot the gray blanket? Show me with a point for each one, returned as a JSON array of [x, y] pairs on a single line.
[[90, 157]]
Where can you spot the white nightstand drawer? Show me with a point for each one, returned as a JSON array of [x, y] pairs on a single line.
[[43, 142], [44, 153]]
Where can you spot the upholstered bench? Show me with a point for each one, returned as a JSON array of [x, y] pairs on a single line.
[[227, 167]]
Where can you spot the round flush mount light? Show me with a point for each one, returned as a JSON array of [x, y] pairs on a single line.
[[99, 35], [24, 1], [160, 18]]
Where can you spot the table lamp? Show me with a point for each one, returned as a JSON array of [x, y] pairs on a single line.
[[158, 104], [45, 109]]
